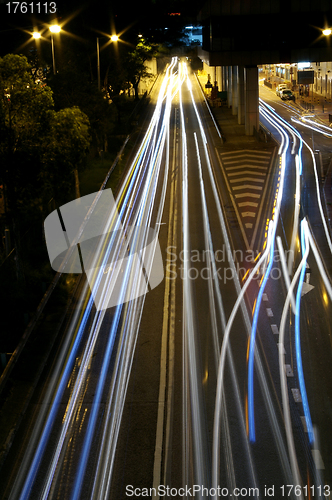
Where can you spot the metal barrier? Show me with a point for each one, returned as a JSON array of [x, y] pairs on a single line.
[[262, 134]]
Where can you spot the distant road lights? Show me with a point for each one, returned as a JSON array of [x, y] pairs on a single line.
[[327, 31], [54, 28]]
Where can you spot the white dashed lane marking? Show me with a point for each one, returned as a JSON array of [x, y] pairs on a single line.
[[297, 395], [289, 371], [318, 459], [316, 455], [269, 312], [304, 423]]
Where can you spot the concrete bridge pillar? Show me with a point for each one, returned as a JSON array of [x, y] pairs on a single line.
[[234, 90], [229, 86], [251, 99], [219, 77], [240, 95], [224, 78]]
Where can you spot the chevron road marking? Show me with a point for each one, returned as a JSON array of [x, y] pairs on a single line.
[[246, 173]]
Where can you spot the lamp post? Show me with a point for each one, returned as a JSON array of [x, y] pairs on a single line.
[[37, 36], [98, 64], [114, 38], [55, 28]]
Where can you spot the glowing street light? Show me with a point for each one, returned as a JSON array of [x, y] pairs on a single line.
[[327, 31], [114, 38], [36, 35], [55, 28]]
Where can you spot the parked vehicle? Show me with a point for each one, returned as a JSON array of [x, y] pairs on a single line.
[[281, 87], [287, 95]]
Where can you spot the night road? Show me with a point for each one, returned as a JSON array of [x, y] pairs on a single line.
[[206, 372]]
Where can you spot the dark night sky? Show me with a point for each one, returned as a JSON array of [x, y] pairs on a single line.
[[90, 16]]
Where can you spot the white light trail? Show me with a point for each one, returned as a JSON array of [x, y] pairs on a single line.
[[216, 441], [291, 129], [125, 356], [189, 331], [322, 129], [283, 381], [151, 152]]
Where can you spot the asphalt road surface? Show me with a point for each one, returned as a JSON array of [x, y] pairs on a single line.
[[197, 358]]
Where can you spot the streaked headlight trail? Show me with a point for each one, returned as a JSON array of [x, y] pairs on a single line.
[[220, 363]]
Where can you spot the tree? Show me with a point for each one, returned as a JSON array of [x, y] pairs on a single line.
[[67, 146], [24, 108], [41, 150], [24, 121], [135, 65], [36, 141], [24, 118], [72, 86]]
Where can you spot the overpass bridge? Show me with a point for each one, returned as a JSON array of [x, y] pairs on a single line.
[[240, 35]]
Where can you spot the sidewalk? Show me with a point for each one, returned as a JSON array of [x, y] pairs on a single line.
[[317, 104], [234, 136], [327, 193]]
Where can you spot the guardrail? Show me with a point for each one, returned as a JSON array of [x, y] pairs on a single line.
[[263, 134]]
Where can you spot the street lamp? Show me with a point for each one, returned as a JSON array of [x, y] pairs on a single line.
[[36, 35], [55, 28], [114, 38], [327, 32]]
